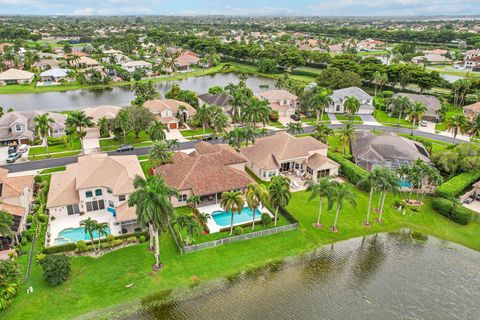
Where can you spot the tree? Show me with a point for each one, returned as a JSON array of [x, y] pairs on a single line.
[[267, 65], [101, 228], [204, 115], [280, 195], [388, 182], [160, 153], [322, 132], [318, 101], [215, 90], [144, 91], [256, 195], [294, 127], [140, 118], [79, 121], [220, 122], [400, 105], [352, 105], [123, 123], [232, 202], [456, 124], [153, 207], [347, 135], [372, 181], [417, 112], [190, 225], [257, 111], [89, 225], [104, 126], [43, 127], [56, 268], [193, 202], [203, 220], [6, 223], [380, 79], [320, 189], [473, 127], [341, 193], [156, 131]]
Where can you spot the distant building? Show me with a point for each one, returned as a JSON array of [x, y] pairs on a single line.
[[341, 95], [221, 99], [54, 75], [133, 66], [282, 101], [166, 111], [471, 111], [16, 76], [432, 103]]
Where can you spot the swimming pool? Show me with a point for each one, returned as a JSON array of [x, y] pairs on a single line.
[[405, 184], [222, 218], [76, 234]]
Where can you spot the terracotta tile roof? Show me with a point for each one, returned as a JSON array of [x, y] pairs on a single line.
[[206, 170], [186, 59], [317, 161], [13, 209], [473, 107], [276, 95], [14, 186], [126, 213], [157, 106], [102, 111]]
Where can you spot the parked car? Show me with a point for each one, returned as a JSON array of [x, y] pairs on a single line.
[[125, 147], [209, 137], [295, 117], [23, 148], [12, 149], [13, 157], [477, 197], [423, 123], [468, 201]]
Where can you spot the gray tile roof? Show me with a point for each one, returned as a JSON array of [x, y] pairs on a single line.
[[356, 92], [220, 99], [432, 103]]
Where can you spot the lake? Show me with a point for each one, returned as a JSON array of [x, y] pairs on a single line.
[[120, 96], [387, 276]]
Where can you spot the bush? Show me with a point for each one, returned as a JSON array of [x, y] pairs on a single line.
[[274, 116], [452, 211], [131, 239], [60, 248], [57, 141], [354, 173], [40, 257], [266, 219], [142, 239], [42, 217], [387, 94], [454, 187], [237, 231], [81, 246], [29, 218], [56, 269], [28, 234]]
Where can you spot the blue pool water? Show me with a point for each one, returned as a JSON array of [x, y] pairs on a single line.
[[222, 218], [76, 234], [405, 184]]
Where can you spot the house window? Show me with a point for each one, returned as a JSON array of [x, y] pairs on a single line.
[[55, 131], [18, 127], [182, 198], [111, 204], [98, 192], [337, 108], [309, 171], [89, 194], [109, 190], [1, 189], [95, 205], [73, 209], [121, 197]]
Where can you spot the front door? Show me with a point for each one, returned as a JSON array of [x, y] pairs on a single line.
[[285, 167]]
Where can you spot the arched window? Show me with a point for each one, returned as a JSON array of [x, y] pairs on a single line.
[[98, 192], [88, 194]]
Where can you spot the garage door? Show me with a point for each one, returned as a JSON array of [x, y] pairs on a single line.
[[173, 126]]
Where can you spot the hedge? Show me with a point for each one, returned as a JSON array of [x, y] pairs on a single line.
[[452, 211], [454, 187], [354, 173]]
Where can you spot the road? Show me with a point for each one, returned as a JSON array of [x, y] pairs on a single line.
[[56, 162]]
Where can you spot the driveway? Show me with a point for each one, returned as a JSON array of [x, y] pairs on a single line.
[[3, 155], [333, 118], [369, 120], [175, 134], [429, 128], [91, 144]]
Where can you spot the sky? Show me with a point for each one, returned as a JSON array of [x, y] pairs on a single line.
[[243, 7]]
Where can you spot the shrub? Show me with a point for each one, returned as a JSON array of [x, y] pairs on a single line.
[[387, 94], [238, 231], [29, 218], [40, 257], [142, 239], [266, 219], [56, 269], [28, 234], [110, 238], [454, 187], [42, 217], [60, 248], [452, 211], [57, 141], [81, 246], [354, 173], [274, 116], [131, 239]]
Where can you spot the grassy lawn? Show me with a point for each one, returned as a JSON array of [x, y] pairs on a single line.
[[111, 144], [51, 170], [441, 126], [110, 274], [76, 145], [384, 118], [313, 120], [54, 155], [437, 145], [343, 118], [373, 53], [336, 145], [196, 132], [276, 124]]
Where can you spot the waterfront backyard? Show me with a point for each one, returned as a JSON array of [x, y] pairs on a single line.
[[125, 275]]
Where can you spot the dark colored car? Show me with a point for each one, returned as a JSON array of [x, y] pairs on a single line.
[[13, 157], [468, 201], [295, 117], [12, 149], [209, 137], [125, 147]]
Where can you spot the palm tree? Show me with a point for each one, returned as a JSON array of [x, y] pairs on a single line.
[[473, 127], [101, 228], [456, 124], [400, 104], [89, 226], [193, 202], [341, 193], [379, 78], [104, 126], [123, 123], [256, 195], [279, 190], [320, 189], [352, 105], [257, 111], [156, 131], [160, 153], [318, 101], [232, 202], [417, 112], [192, 228], [322, 132], [294, 127], [181, 222], [6, 223], [347, 136], [203, 220], [204, 115], [43, 127], [387, 182], [220, 122], [373, 182], [153, 207], [79, 121]]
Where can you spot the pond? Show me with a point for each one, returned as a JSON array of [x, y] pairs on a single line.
[[120, 96], [388, 276]]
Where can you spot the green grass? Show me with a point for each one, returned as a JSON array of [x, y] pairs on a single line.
[[74, 146], [54, 155], [312, 120], [146, 165], [196, 132], [143, 140], [343, 118], [54, 169], [384, 118], [336, 145], [437, 145], [93, 279], [373, 53], [276, 124], [441, 126]]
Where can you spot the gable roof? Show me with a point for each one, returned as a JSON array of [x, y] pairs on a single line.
[[356, 92], [187, 58], [14, 186], [157, 105], [276, 95], [101, 111], [432, 103], [269, 151], [205, 171], [55, 73], [220, 99]]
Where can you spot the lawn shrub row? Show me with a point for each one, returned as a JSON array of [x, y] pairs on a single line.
[[454, 187], [452, 211], [354, 173]]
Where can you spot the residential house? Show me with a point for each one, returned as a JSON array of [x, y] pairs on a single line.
[[432, 103], [471, 111], [118, 57], [19, 127], [436, 51], [282, 101], [341, 95], [133, 66], [472, 54], [370, 150], [97, 186], [431, 58], [16, 194], [46, 64], [54, 75], [85, 62], [284, 153], [207, 172], [186, 60], [370, 45], [16, 76], [221, 99], [167, 111], [109, 112]]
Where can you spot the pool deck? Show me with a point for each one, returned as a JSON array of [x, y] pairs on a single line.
[[214, 227], [73, 221]]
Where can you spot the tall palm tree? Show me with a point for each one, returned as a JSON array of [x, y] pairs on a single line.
[[237, 105], [204, 115], [193, 202], [104, 126], [417, 112], [342, 193], [379, 78], [257, 111], [192, 228], [456, 124], [318, 101], [203, 220], [89, 226], [153, 207], [156, 131], [347, 136], [400, 105], [473, 127], [160, 153], [280, 195], [219, 122], [101, 228], [123, 123], [352, 105], [320, 189], [387, 182], [373, 182], [232, 202], [322, 132], [256, 195], [43, 128], [6, 223], [294, 127], [79, 121]]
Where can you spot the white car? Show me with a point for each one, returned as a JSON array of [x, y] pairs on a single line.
[[23, 148], [423, 123]]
